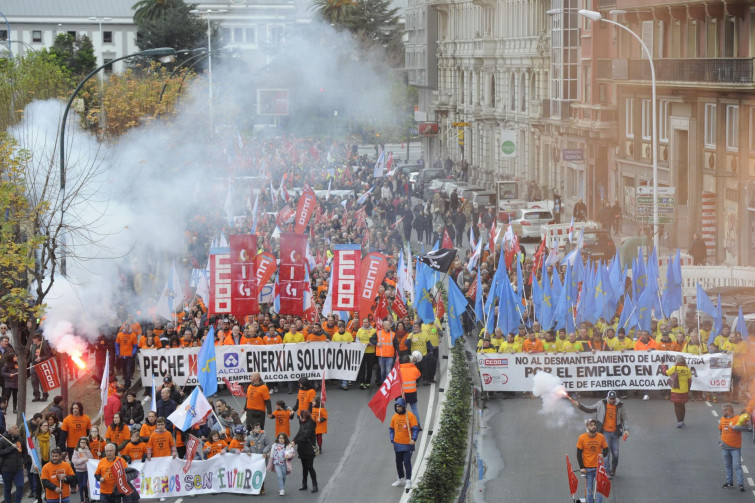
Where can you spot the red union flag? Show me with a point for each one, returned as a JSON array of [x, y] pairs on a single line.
[[345, 283], [398, 307], [191, 450], [47, 372], [292, 255], [234, 387], [389, 390], [264, 266], [304, 210], [119, 474], [284, 216], [602, 482], [220, 282], [244, 293], [292, 297], [374, 267], [573, 481]]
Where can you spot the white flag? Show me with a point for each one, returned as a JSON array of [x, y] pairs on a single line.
[[475, 257], [173, 290], [192, 411], [379, 170], [105, 383], [228, 205]]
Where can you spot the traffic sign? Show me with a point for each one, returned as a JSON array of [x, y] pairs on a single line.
[[461, 124], [666, 204]]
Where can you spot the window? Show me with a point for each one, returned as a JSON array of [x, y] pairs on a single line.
[[108, 65], [107, 37], [709, 136], [587, 82], [629, 117], [3, 34], [238, 35], [250, 35], [732, 128], [663, 120], [72, 33], [36, 36], [275, 33], [752, 130], [647, 120]]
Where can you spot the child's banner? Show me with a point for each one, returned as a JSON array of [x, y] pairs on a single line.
[[165, 478], [276, 362], [602, 370]]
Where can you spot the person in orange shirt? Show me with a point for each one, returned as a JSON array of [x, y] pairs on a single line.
[[254, 335], [410, 375], [149, 426], [96, 443], [272, 337], [187, 340], [731, 428], [214, 445], [590, 445], [645, 343], [75, 425], [236, 445], [282, 416], [126, 346], [135, 326], [533, 344], [257, 401], [403, 432], [235, 337], [305, 397], [135, 449], [105, 476], [150, 340], [118, 433], [330, 326], [316, 334], [161, 443], [666, 343], [57, 478], [320, 416]]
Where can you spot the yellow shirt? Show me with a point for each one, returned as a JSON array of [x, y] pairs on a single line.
[[510, 347], [343, 337], [626, 344], [560, 344], [613, 343], [491, 349], [572, 347], [432, 334], [694, 349], [364, 335], [550, 347], [293, 338], [419, 342]]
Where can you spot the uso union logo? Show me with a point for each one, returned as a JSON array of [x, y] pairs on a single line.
[[231, 360]]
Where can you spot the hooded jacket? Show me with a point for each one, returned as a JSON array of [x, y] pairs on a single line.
[[599, 409], [401, 418]]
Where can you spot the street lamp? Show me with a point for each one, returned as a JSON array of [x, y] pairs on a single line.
[[333, 134], [100, 20], [209, 13], [161, 51], [596, 16]]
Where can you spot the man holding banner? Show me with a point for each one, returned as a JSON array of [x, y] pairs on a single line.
[[57, 478], [590, 445]]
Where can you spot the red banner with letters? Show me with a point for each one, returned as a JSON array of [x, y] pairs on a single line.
[[292, 297], [191, 449], [374, 267], [119, 474], [244, 292], [304, 210], [265, 266], [389, 390], [220, 283], [284, 216], [398, 307], [293, 252], [345, 283], [47, 371]]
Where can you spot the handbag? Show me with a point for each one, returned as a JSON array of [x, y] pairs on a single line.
[[290, 452], [675, 380]]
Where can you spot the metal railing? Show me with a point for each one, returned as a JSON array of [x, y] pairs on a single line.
[[714, 71]]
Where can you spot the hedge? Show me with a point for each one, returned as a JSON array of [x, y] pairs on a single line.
[[445, 466]]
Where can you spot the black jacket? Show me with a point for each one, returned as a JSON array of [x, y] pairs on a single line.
[[305, 439], [10, 459], [133, 410], [165, 409]]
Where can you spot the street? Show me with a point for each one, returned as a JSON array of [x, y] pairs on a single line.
[[523, 454]]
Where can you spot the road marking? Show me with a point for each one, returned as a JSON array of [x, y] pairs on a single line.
[[751, 482], [745, 470], [708, 403], [714, 413], [179, 500]]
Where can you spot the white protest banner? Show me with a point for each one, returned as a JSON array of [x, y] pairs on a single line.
[[165, 478], [276, 362], [602, 370]]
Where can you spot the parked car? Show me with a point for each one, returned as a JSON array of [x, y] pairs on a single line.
[[484, 199], [455, 185], [466, 192], [527, 222], [434, 186], [426, 176], [598, 244], [407, 169], [413, 179]]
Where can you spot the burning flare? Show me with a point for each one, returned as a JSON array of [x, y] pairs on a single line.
[[78, 361]]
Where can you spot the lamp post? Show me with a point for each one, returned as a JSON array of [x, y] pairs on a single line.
[[103, 118], [208, 14], [7, 39], [596, 16], [100, 20], [162, 51]]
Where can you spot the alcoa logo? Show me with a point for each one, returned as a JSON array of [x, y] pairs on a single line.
[[231, 360]]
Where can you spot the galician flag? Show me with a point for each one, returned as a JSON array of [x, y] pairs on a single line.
[[192, 411], [166, 306]]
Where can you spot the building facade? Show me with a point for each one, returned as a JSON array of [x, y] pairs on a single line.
[[575, 95]]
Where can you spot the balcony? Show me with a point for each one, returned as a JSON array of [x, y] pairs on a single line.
[[719, 71]]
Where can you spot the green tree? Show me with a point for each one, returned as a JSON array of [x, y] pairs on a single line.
[[175, 27], [75, 55], [145, 10]]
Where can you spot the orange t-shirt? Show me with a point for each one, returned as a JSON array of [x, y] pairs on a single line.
[[136, 328], [591, 447], [55, 474], [135, 451], [641, 346], [319, 413], [255, 341], [535, 346], [76, 427], [316, 338], [256, 396], [329, 330], [143, 343], [116, 436], [305, 398], [276, 339], [282, 422], [610, 423], [401, 431], [104, 470], [147, 430], [730, 436], [179, 438], [97, 446], [161, 444], [126, 342], [236, 444], [667, 346], [215, 448]]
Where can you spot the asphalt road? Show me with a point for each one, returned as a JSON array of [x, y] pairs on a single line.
[[357, 462], [523, 454]]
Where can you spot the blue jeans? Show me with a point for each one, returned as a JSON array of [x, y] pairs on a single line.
[[280, 471], [11, 478], [612, 439], [404, 464], [83, 480], [62, 500], [590, 481], [386, 365], [733, 457]]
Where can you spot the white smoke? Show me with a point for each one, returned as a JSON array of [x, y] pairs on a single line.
[[137, 193], [556, 405]]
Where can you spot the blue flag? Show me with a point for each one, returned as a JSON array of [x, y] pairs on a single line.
[[457, 304], [705, 305], [718, 320], [424, 281], [556, 285], [610, 300], [478, 297], [549, 300], [509, 309], [672, 292], [628, 318], [644, 307], [207, 369], [740, 325], [519, 278], [537, 297]]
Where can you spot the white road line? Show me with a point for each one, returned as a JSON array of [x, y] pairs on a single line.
[[179, 500], [745, 470], [714, 413], [708, 403], [751, 482]]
